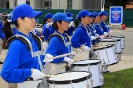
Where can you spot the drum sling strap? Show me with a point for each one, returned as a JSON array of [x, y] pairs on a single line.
[[60, 37]]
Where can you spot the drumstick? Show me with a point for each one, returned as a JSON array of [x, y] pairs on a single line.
[[80, 57], [75, 59], [63, 55]]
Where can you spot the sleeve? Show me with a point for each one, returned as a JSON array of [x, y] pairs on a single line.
[[10, 70], [37, 33], [98, 30], [75, 40], [47, 32], [70, 31], [105, 29], [53, 48]]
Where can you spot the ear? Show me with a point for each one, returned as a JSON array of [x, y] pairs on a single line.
[[20, 21], [58, 24]]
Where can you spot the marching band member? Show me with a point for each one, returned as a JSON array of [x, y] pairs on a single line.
[[47, 29], [104, 25], [92, 30], [19, 63], [81, 37], [101, 33], [97, 26], [59, 44]]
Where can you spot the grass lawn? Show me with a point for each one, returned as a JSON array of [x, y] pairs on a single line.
[[119, 79]]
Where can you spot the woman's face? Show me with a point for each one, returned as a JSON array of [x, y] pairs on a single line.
[[97, 19], [90, 19], [28, 23], [64, 25], [86, 20], [49, 20], [104, 17]]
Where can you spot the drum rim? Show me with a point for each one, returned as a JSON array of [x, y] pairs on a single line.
[[120, 36], [70, 81], [110, 45], [110, 40], [87, 63], [100, 48]]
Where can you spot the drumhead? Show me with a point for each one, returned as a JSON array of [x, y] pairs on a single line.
[[110, 45], [120, 36], [69, 77], [87, 62], [118, 39], [100, 48], [107, 40]]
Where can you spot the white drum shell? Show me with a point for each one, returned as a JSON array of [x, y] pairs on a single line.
[[114, 41], [94, 69], [102, 55], [112, 56], [76, 75]]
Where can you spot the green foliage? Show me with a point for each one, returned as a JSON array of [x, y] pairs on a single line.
[[120, 79]]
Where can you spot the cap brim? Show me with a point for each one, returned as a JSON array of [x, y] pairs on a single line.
[[90, 15], [35, 14], [68, 19], [72, 14]]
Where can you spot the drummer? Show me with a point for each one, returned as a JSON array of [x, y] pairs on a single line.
[[92, 30], [97, 26], [81, 37], [47, 29], [103, 23], [59, 44], [19, 64]]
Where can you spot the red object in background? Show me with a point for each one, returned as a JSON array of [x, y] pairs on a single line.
[[123, 26]]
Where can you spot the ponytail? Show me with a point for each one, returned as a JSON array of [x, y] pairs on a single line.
[[55, 26], [7, 30], [44, 21], [76, 22]]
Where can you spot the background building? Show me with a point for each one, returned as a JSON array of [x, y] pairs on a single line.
[[53, 4]]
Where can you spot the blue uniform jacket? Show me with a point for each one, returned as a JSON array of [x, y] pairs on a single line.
[[47, 31], [80, 37], [104, 26], [70, 31], [93, 32], [57, 47], [18, 61], [98, 28]]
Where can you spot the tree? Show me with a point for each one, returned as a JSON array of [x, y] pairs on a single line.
[[109, 3]]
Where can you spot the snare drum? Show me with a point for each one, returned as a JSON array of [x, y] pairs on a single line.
[[93, 66], [116, 42], [122, 40], [101, 54], [71, 80], [111, 53]]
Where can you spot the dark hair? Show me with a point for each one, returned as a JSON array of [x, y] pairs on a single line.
[[44, 21], [7, 30], [54, 25], [76, 21]]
